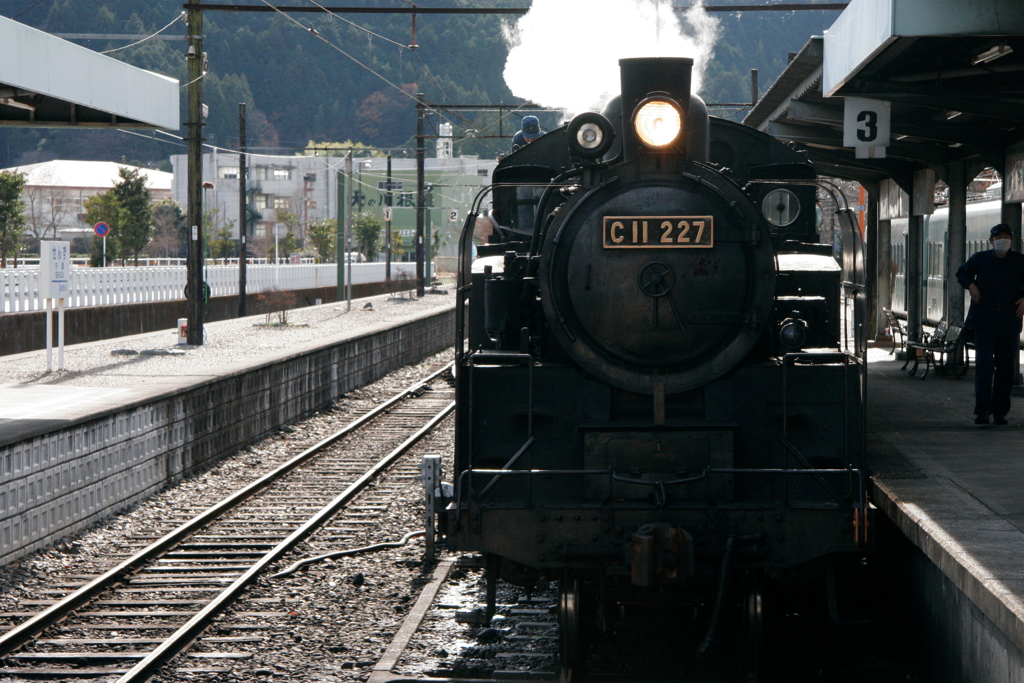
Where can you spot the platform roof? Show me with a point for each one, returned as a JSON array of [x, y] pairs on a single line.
[[46, 81], [953, 71]]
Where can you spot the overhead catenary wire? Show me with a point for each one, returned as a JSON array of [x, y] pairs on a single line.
[[139, 42], [361, 28]]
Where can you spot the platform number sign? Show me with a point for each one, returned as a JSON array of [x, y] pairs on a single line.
[[453, 215], [54, 265], [866, 122]]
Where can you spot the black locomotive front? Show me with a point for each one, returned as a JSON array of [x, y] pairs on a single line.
[[638, 402]]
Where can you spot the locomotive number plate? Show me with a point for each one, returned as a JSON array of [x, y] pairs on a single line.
[[659, 232]]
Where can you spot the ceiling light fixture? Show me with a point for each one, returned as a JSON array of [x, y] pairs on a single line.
[[950, 115], [991, 54]]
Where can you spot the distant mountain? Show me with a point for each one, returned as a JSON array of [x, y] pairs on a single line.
[[300, 87]]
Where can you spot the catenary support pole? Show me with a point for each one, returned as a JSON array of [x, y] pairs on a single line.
[[387, 224], [348, 232], [420, 181], [341, 243], [194, 63], [243, 222]]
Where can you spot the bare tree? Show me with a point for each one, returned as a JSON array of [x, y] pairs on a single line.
[[48, 203]]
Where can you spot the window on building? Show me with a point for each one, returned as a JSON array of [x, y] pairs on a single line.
[[283, 203], [261, 201], [280, 174], [228, 172], [261, 230]]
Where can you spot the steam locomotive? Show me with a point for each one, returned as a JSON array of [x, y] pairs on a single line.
[[660, 373]]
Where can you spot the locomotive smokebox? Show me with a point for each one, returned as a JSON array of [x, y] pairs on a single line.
[[655, 101]]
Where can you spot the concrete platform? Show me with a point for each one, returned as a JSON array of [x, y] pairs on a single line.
[[129, 416], [956, 490]]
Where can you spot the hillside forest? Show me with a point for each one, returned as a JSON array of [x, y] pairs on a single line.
[[301, 87]]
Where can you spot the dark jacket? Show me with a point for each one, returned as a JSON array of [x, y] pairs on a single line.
[[1001, 283]]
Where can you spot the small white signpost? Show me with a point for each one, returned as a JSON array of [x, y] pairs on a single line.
[[54, 267], [866, 126], [102, 230], [453, 215], [386, 214]]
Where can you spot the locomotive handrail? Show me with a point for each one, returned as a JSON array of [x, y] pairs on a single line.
[[506, 468]]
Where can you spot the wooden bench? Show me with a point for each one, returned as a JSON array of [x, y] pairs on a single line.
[[895, 327], [941, 349]]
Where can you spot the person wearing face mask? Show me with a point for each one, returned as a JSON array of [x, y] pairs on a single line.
[[995, 279]]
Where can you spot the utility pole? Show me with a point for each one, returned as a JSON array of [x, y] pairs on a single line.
[[194, 63], [420, 182], [387, 225], [348, 232], [243, 222], [755, 93]]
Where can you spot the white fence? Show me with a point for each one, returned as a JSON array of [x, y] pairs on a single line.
[[127, 285]]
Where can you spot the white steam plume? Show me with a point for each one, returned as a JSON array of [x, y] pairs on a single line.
[[565, 53]]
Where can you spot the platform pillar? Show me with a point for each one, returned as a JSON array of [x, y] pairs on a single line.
[[915, 246], [871, 246], [886, 276], [956, 240]]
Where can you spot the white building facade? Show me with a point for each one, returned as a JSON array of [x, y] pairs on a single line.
[[55, 194]]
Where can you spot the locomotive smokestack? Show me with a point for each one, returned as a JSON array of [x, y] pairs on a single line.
[[645, 80]]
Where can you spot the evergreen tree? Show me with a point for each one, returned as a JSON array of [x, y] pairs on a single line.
[[367, 230], [323, 235], [134, 198], [12, 214]]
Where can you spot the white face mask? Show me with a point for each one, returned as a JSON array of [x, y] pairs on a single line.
[[1001, 246]]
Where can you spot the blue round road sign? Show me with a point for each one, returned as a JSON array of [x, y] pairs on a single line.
[[101, 229]]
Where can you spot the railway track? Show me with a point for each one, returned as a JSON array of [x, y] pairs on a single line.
[[133, 616]]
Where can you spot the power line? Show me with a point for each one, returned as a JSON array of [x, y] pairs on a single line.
[[780, 7], [139, 42]]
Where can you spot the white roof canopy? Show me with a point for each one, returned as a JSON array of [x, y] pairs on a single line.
[[46, 81], [867, 27]]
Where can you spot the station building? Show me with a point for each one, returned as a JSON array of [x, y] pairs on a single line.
[[306, 187], [946, 80]]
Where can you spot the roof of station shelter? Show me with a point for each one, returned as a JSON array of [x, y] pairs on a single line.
[[89, 175], [46, 81], [953, 72]]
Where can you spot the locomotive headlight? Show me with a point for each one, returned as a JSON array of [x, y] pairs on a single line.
[[590, 135], [657, 122]]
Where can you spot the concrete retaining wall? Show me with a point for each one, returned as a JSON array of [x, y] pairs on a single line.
[[20, 332], [968, 626], [61, 482]]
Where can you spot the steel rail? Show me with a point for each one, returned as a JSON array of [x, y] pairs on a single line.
[[30, 628], [195, 626]]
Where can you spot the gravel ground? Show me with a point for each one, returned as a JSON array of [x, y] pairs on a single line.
[[339, 625], [228, 343]]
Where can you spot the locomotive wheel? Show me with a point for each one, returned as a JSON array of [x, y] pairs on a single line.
[[571, 651], [753, 618]]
